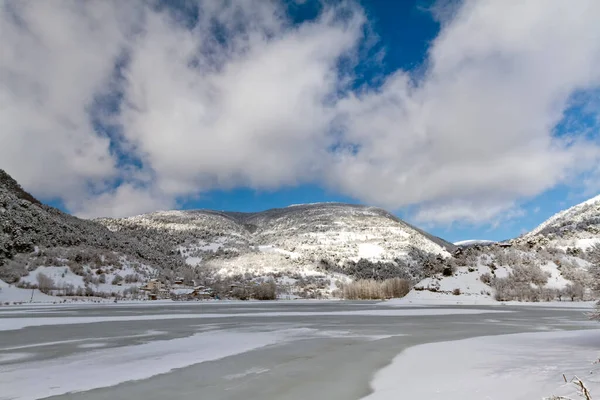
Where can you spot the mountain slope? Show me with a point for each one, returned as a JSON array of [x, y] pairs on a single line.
[[576, 227], [558, 260], [294, 238], [33, 235]]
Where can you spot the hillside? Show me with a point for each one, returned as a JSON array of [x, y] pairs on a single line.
[[305, 250], [576, 227], [558, 260], [310, 250], [35, 238], [301, 240]]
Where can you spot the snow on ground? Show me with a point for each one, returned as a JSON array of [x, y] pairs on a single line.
[[12, 294], [465, 283], [370, 251], [585, 244], [273, 249], [425, 297], [516, 367], [64, 277], [8, 324], [60, 275], [555, 280], [108, 367], [193, 261]]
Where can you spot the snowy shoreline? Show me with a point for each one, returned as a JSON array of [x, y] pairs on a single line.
[[521, 366]]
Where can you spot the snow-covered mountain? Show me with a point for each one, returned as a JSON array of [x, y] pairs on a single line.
[[79, 256], [575, 227], [559, 259], [300, 238]]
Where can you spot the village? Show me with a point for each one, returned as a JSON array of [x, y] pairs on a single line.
[[182, 290], [155, 290]]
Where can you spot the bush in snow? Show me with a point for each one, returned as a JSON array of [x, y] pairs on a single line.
[[117, 279], [593, 256], [264, 291], [509, 289], [14, 269], [486, 278], [45, 283], [529, 274], [131, 278], [575, 274]]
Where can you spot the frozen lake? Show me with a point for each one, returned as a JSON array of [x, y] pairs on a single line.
[[267, 350]]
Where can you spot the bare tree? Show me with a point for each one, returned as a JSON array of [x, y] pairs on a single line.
[[45, 283], [574, 291], [593, 256]]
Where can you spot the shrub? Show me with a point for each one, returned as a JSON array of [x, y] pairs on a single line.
[[45, 283], [456, 292], [13, 270], [117, 279], [265, 291], [486, 278]]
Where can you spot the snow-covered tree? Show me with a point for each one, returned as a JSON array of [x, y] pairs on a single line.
[[593, 256]]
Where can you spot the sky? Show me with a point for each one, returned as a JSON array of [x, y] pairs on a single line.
[[470, 119]]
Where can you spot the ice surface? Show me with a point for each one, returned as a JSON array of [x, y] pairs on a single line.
[[108, 367], [7, 324]]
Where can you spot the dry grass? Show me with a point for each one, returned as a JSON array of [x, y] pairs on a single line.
[[582, 390], [370, 289]]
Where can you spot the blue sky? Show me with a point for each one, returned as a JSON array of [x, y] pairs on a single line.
[[472, 120]]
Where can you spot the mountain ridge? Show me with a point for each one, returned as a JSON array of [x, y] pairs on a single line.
[[332, 234]]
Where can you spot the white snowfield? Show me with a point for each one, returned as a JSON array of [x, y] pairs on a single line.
[[524, 366], [12, 294]]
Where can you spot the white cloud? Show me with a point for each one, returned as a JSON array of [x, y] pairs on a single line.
[[477, 133], [254, 114], [54, 57], [260, 103]]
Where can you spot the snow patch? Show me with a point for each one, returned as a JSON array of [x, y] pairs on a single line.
[[517, 367], [12, 294], [370, 251]]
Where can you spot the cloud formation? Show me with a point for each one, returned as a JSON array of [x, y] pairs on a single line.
[[119, 107]]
